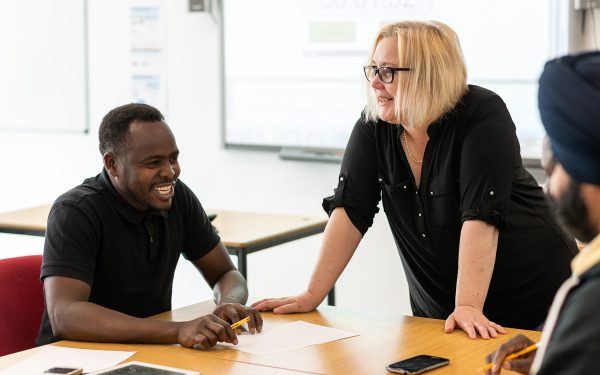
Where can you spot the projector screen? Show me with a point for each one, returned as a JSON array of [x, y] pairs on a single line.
[[292, 69]]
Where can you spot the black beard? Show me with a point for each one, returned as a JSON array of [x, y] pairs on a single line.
[[573, 214]]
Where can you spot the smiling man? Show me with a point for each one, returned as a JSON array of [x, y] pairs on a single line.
[[113, 243]]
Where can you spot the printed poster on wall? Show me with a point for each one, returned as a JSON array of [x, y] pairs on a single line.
[[148, 68]]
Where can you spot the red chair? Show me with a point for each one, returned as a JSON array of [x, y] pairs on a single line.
[[21, 302]]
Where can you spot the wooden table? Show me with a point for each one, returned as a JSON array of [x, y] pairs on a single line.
[[242, 233], [30, 221], [384, 338], [163, 355]]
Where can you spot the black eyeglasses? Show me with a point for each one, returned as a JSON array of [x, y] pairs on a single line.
[[385, 73]]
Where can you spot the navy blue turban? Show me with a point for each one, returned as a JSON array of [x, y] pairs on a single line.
[[569, 102]]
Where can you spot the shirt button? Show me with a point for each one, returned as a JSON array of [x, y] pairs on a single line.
[[423, 235], [420, 214], [491, 192], [431, 193], [341, 178], [404, 187], [151, 239], [380, 179]]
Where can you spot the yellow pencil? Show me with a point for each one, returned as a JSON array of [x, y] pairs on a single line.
[[509, 357], [237, 324]]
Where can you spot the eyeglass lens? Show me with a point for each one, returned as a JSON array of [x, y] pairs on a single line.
[[385, 74]]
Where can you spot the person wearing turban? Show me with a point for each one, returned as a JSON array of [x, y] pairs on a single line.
[[569, 102]]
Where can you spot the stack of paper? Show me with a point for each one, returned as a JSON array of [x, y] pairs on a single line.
[[55, 356]]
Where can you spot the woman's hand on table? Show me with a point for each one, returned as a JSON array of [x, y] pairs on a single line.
[[303, 302], [471, 320]]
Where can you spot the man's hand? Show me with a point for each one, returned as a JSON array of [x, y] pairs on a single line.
[[205, 332], [233, 312], [473, 322], [520, 365], [303, 302]]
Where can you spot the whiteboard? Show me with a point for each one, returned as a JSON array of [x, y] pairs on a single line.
[[292, 69], [43, 84]]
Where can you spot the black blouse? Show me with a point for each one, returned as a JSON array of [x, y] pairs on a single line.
[[472, 170]]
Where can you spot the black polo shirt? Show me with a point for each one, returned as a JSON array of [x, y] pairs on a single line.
[[472, 170], [128, 257]]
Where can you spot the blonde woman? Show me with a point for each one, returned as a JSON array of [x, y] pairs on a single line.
[[476, 238]]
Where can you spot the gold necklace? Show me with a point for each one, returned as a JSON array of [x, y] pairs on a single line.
[[410, 154]]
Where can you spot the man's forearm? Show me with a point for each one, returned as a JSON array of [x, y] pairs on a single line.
[[231, 288], [86, 321]]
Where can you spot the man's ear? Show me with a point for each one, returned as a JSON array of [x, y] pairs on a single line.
[[110, 163], [590, 195]]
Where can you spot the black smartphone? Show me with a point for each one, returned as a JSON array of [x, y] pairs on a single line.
[[64, 370], [417, 365]]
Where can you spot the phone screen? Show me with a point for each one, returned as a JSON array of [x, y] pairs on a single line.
[[63, 370], [418, 364]]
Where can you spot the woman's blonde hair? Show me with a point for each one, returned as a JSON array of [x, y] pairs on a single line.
[[438, 76]]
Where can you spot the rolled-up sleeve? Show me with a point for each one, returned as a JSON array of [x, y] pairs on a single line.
[[488, 156], [357, 188], [200, 237]]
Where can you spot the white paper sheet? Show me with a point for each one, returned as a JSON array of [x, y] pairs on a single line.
[[56, 356], [287, 336]]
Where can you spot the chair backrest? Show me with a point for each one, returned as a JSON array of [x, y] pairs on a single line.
[[21, 302]]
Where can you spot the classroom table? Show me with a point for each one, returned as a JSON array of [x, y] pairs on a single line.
[[30, 221], [242, 233], [159, 354], [383, 339]]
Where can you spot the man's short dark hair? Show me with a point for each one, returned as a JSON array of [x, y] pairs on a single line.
[[115, 124]]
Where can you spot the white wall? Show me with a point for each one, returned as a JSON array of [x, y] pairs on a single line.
[[590, 37], [39, 167]]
